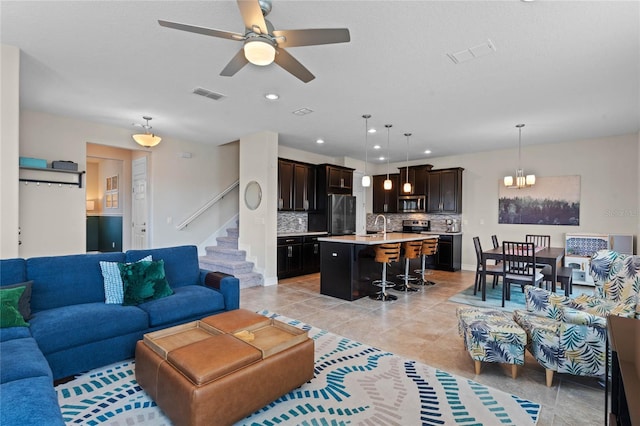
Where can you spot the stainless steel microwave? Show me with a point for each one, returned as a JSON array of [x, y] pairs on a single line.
[[412, 203]]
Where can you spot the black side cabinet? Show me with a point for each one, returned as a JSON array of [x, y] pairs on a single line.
[[310, 255], [449, 254], [289, 256]]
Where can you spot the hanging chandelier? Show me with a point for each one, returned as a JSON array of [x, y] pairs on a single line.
[[520, 180], [146, 139], [387, 185], [406, 188], [366, 179]]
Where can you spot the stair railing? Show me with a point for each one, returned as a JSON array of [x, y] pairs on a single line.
[[209, 203]]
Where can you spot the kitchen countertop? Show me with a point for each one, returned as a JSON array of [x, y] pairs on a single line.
[[301, 234], [374, 239]]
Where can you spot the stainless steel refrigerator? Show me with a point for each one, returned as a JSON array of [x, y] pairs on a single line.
[[338, 218]]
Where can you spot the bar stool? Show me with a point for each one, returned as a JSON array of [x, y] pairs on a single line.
[[385, 253], [429, 248], [411, 251]]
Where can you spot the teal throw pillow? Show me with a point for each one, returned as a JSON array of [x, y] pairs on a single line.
[[113, 286], [10, 316], [144, 281], [24, 304]]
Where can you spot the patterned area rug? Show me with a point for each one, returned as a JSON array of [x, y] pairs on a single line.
[[354, 384], [494, 296]]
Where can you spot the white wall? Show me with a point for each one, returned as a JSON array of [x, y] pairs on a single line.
[[53, 219], [9, 148], [258, 228]]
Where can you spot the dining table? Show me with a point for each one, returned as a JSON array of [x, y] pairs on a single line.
[[552, 256]]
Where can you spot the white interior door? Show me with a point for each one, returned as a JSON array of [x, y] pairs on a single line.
[[140, 209]]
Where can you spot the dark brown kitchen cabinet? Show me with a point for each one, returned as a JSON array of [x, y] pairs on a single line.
[[385, 201], [448, 257], [444, 193], [310, 255], [335, 179], [417, 178], [289, 251], [304, 187], [296, 186]]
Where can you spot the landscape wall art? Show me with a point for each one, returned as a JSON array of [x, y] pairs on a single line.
[[553, 200]]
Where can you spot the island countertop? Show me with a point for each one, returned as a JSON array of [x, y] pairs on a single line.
[[374, 239]]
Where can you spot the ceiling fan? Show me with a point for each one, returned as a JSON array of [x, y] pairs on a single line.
[[263, 44]]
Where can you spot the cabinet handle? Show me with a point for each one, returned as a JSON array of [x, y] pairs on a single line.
[[289, 251], [315, 248]]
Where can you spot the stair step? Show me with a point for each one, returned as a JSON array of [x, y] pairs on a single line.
[[227, 242], [252, 279], [226, 253], [227, 266], [233, 232]]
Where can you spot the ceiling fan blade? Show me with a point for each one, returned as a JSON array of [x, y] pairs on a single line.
[[291, 64], [202, 30], [252, 15], [311, 37], [235, 64]]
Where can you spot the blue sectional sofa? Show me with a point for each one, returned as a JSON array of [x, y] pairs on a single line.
[[73, 330]]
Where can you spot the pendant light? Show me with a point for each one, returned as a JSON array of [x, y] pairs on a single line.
[[146, 139], [387, 185], [406, 188], [366, 179], [520, 180]]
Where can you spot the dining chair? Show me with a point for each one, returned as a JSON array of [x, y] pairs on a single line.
[[496, 244], [541, 241], [495, 270], [514, 255]]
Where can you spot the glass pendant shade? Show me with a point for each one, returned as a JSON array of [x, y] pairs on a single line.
[[387, 185], [147, 139], [366, 181], [406, 187], [259, 52], [519, 180]]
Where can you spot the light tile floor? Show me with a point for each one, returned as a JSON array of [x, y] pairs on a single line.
[[423, 326]]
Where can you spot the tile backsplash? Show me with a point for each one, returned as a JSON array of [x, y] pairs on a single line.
[[438, 221], [289, 222]]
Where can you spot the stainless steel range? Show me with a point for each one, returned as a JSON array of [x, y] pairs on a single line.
[[416, 226]]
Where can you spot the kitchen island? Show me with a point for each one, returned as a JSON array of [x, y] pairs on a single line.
[[347, 265]]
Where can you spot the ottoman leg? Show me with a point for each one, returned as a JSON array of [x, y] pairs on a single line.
[[514, 371], [549, 378], [477, 364]]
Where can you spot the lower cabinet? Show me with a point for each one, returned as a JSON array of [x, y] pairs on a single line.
[[449, 254], [299, 255]]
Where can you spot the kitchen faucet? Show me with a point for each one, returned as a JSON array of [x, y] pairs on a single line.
[[384, 223]]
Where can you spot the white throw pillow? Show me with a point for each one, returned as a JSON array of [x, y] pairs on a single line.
[[113, 286]]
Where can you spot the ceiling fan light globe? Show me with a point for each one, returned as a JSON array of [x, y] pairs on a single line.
[[259, 52], [147, 140]]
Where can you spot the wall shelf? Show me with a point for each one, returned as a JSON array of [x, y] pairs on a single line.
[[32, 175]]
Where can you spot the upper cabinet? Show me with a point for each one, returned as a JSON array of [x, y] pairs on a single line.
[[335, 179], [296, 186], [417, 178], [385, 201], [444, 190]]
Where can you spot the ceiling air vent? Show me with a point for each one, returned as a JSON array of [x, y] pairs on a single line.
[[208, 93], [473, 52]]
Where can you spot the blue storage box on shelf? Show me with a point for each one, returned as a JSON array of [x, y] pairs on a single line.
[[38, 163]]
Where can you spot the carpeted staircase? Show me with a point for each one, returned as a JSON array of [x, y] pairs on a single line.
[[225, 257]]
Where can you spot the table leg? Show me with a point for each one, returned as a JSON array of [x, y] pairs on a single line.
[[484, 279], [554, 274]]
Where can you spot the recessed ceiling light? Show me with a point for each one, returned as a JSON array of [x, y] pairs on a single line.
[[376, 147], [320, 141], [372, 130], [272, 96], [428, 151]]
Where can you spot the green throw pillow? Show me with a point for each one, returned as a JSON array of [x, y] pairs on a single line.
[[144, 281], [24, 304], [10, 316]]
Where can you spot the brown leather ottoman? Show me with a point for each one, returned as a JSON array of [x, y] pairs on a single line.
[[200, 373]]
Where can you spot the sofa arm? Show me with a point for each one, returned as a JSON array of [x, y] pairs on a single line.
[[226, 284], [578, 317]]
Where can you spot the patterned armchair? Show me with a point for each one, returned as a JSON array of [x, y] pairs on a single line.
[[569, 335]]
